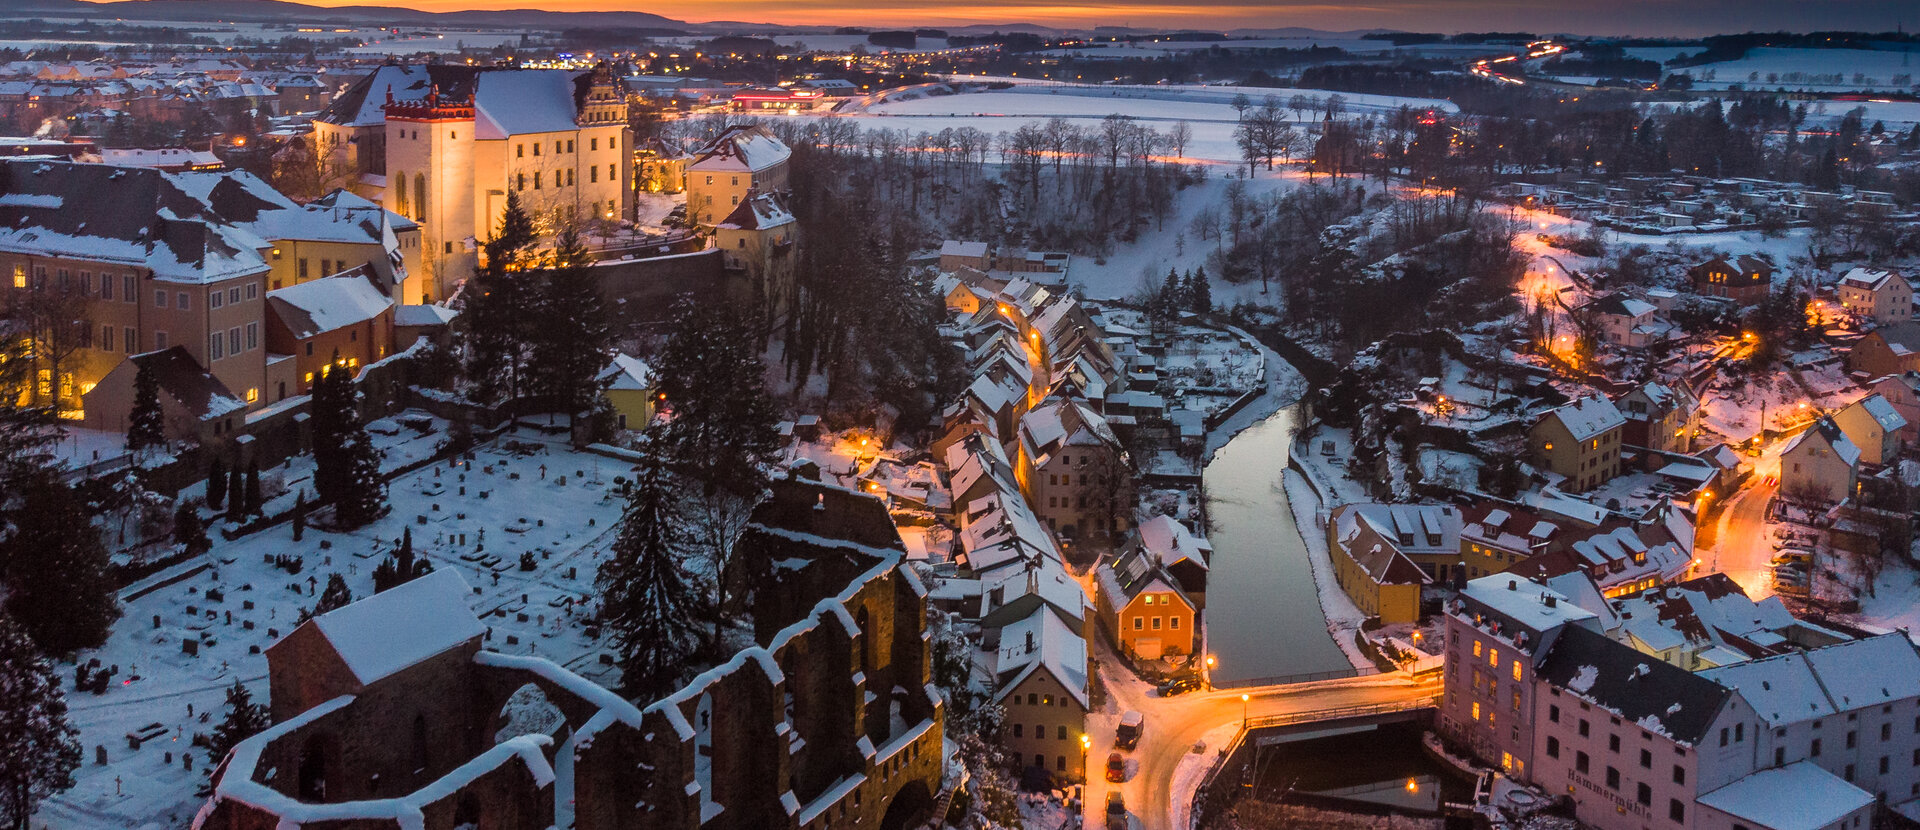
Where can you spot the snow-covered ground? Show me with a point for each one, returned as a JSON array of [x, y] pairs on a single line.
[[524, 493], [1131, 266], [1815, 70], [1343, 617]]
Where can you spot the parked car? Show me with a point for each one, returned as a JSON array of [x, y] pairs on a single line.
[[1793, 554], [1127, 736], [1116, 767], [1116, 809], [1179, 686]]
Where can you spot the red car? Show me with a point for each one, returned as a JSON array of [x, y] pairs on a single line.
[[1116, 767]]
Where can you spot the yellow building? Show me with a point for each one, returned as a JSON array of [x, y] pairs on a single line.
[[627, 384], [740, 161], [1580, 442], [1041, 663], [1383, 554]]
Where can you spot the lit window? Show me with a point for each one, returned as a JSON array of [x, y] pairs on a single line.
[[1476, 710], [253, 395]]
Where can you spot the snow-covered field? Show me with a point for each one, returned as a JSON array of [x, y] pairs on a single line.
[[528, 493], [1160, 49], [1816, 70]]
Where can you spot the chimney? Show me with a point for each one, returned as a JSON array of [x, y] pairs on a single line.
[[1549, 600], [1513, 585]]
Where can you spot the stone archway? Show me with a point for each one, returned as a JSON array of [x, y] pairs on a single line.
[[909, 807]]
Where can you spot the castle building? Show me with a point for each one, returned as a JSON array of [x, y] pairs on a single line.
[[443, 146]]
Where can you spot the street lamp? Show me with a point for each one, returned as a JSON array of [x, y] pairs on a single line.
[[1244, 697]]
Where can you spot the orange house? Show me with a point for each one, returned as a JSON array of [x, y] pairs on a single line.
[[1145, 609], [315, 320]]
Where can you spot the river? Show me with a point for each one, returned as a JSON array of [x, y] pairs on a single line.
[[1263, 611]]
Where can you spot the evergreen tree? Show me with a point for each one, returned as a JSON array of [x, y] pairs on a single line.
[[189, 531], [217, 483], [346, 466], [236, 495], [335, 596], [55, 569], [39, 749], [497, 324], [1199, 292], [574, 334], [646, 598], [244, 720], [253, 488], [400, 567], [148, 429], [722, 427], [1170, 297]]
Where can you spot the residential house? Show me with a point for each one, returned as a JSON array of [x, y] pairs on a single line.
[[1185, 554], [758, 239], [1074, 471], [1040, 675], [1659, 417], [1144, 608], [1383, 554], [337, 323], [1888, 350], [194, 405], [1494, 537], [1621, 320], [1881, 296], [1498, 628], [1745, 283], [1580, 442], [1903, 391], [1821, 464], [1710, 621], [1874, 426], [740, 161]]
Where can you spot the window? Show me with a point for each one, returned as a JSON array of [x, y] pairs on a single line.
[[1886, 731], [309, 348], [1584, 729], [1723, 736], [253, 290], [536, 149], [593, 144], [1019, 730], [1676, 810], [1646, 759], [1816, 748], [159, 299], [1516, 670], [1883, 765], [1852, 739], [1060, 733], [1580, 761], [1156, 623], [106, 338], [1476, 653], [519, 151], [593, 175], [106, 286], [182, 300], [1613, 743], [1141, 623], [1613, 778], [20, 281], [1553, 713], [215, 300], [253, 395], [253, 336], [127, 294], [1476, 710], [1553, 747], [216, 346], [1173, 623], [233, 340], [1739, 732], [1679, 774], [536, 180], [1644, 795]]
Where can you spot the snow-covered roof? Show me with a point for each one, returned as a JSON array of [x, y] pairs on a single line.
[[327, 304], [1524, 602], [760, 212], [158, 157], [958, 248], [1881, 411], [523, 101], [1588, 417], [423, 315], [1866, 279], [627, 372], [1170, 541], [1041, 640], [401, 626], [1826, 430], [1798, 796], [742, 148]]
